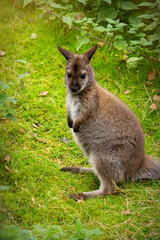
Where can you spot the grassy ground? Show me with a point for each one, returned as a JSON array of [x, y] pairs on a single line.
[[38, 193]]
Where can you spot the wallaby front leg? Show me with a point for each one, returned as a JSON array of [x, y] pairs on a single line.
[[70, 122], [79, 120]]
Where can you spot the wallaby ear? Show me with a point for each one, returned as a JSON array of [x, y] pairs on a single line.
[[67, 54], [90, 52]]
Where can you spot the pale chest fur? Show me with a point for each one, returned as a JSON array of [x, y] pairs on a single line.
[[74, 106]]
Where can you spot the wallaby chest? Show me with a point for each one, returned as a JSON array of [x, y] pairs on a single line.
[[74, 106]]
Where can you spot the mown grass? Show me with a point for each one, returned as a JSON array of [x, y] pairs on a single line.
[[38, 193]]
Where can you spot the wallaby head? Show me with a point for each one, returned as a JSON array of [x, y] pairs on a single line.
[[79, 73]]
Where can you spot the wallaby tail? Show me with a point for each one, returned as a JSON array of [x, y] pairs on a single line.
[[150, 169]]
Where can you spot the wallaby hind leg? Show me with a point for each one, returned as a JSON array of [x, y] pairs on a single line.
[[77, 169], [106, 185], [106, 188]]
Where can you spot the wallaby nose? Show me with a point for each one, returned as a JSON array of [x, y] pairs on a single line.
[[74, 89]]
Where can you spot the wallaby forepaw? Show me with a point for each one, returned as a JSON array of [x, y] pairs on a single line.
[[70, 124], [78, 196], [75, 129]]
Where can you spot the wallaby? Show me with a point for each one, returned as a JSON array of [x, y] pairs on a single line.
[[105, 128]]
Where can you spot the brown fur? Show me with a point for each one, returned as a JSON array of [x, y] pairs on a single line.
[[105, 128]]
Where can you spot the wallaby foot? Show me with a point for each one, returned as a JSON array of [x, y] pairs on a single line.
[[93, 194], [76, 169]]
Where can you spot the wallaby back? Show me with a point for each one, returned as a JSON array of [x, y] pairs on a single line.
[[105, 128]]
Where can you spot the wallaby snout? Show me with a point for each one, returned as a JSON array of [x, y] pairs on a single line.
[[75, 88]]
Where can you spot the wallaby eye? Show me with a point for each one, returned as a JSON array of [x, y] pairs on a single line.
[[83, 76], [69, 75]]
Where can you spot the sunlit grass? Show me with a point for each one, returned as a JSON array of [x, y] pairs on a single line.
[[38, 193]]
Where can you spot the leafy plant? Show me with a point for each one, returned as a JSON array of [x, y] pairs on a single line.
[[50, 232], [6, 101], [12, 232], [136, 24], [84, 234], [55, 232]]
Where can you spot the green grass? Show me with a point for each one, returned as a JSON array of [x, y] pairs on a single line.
[[38, 189]]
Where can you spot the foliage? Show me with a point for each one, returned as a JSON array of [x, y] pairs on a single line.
[[84, 234], [6, 101], [129, 25], [12, 232]]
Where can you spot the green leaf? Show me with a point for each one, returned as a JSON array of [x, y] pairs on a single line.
[[158, 1], [133, 62], [120, 44], [55, 5], [128, 5], [82, 1], [4, 188], [141, 34], [109, 34], [40, 16], [118, 37], [154, 37], [10, 232], [58, 230], [78, 225], [5, 97], [22, 76], [26, 2], [27, 235], [140, 25], [4, 85], [134, 42], [147, 4], [152, 26], [84, 32], [12, 117], [112, 21], [51, 17], [108, 1], [147, 16], [21, 61], [132, 30], [134, 20], [106, 13], [120, 25], [111, 13], [145, 42], [100, 29], [11, 110], [157, 50], [81, 41], [22, 84], [90, 233], [68, 20]]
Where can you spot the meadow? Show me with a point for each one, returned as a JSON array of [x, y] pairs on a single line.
[[41, 143]]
